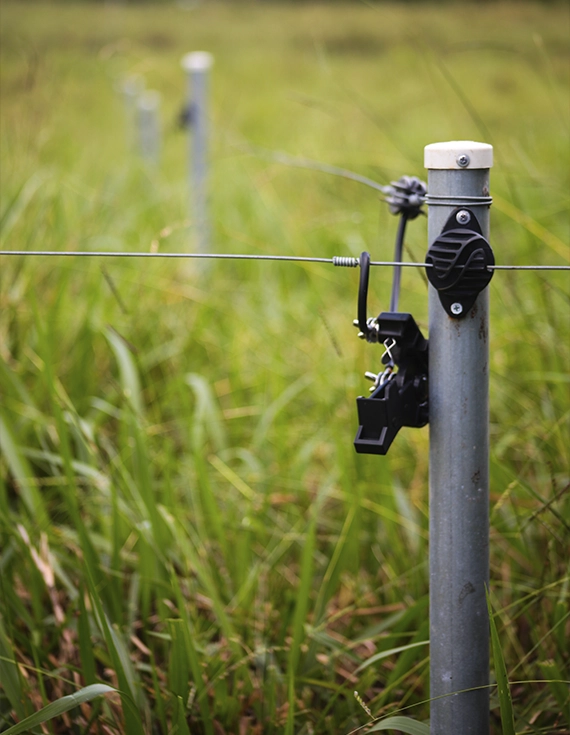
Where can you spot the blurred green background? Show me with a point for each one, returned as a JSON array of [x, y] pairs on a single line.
[[182, 512]]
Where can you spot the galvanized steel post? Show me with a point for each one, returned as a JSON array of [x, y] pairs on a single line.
[[458, 176], [148, 105], [197, 65], [132, 88]]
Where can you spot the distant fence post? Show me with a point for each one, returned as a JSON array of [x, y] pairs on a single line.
[[458, 176], [132, 88], [148, 106], [197, 65]]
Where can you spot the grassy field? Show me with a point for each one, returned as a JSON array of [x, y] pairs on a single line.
[[182, 514]]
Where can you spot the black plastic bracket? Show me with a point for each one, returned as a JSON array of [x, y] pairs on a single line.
[[402, 400], [459, 258]]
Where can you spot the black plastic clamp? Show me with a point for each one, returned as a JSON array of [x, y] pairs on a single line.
[[399, 396], [402, 400]]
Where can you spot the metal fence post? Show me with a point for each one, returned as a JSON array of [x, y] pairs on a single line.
[[197, 65], [148, 105], [458, 176], [132, 87]]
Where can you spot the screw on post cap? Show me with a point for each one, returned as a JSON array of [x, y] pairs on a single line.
[[197, 61], [458, 154]]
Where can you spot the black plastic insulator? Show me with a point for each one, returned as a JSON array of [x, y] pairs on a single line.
[[459, 258]]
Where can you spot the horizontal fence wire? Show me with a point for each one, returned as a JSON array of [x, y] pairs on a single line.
[[347, 261]]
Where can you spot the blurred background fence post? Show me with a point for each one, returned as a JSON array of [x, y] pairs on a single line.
[[132, 88], [149, 130], [195, 115], [459, 463]]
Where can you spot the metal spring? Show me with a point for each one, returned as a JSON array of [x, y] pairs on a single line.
[[345, 261]]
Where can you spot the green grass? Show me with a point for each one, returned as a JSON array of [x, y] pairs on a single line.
[[182, 514]]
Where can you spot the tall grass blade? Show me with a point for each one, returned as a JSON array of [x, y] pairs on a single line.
[[179, 664], [53, 389], [402, 724], [233, 478], [505, 701], [23, 475], [334, 567], [390, 652], [184, 660], [85, 644], [59, 707], [559, 688], [128, 372], [158, 696], [300, 615], [406, 660], [560, 612], [181, 722], [201, 567], [276, 406], [207, 420], [143, 476], [213, 519], [530, 224], [9, 674], [17, 206], [121, 663], [12, 385], [302, 596]]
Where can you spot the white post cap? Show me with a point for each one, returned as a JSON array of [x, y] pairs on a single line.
[[197, 61], [458, 154]]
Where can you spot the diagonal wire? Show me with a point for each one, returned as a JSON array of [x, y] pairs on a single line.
[[308, 163]]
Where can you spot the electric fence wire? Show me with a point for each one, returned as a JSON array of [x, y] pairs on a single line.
[[337, 260]]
